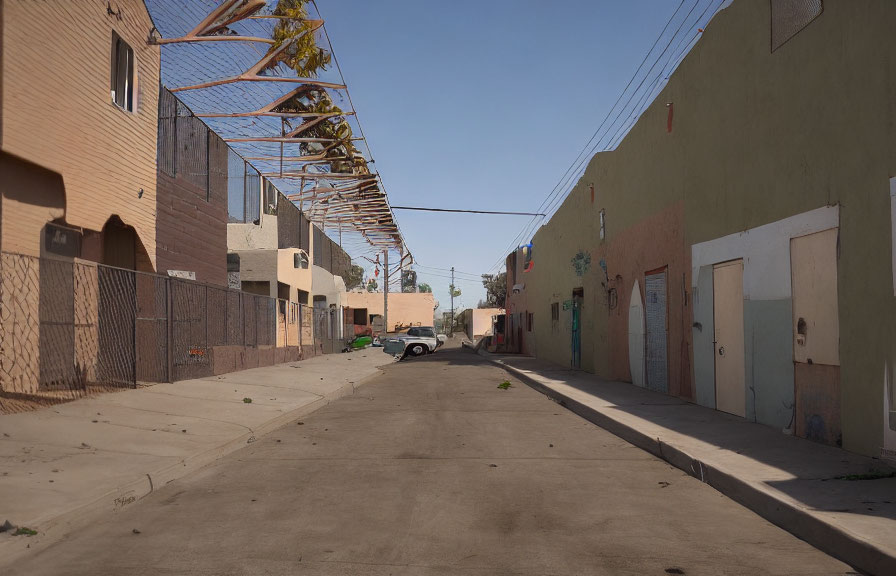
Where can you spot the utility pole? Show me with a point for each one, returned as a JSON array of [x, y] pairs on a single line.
[[386, 292], [451, 288]]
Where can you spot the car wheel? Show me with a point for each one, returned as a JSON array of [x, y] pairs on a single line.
[[418, 350]]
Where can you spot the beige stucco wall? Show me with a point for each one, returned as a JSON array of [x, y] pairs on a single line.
[[328, 285], [480, 322], [517, 302], [405, 308], [58, 114], [261, 236], [297, 278], [274, 266], [757, 137]]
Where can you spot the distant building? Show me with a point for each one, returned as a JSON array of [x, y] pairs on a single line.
[[478, 322], [406, 309]]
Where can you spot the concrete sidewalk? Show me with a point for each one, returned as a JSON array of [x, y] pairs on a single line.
[[833, 499], [66, 464]]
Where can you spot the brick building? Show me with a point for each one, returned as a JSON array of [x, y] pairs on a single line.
[[78, 137]]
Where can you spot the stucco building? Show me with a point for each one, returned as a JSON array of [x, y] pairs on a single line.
[[739, 252], [406, 309], [477, 322]]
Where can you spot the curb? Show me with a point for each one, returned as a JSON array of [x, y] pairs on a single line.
[[53, 528], [830, 539]]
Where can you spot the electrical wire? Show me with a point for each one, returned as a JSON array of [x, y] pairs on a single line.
[[582, 154]]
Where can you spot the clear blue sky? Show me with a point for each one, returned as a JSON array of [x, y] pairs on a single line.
[[482, 105]]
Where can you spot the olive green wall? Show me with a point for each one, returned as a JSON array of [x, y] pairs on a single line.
[[757, 137], [554, 277]]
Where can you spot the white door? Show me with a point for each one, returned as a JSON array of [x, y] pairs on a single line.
[[728, 313]]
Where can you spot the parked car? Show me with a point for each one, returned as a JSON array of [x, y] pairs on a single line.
[[418, 340]]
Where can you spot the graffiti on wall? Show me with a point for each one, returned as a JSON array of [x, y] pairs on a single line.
[[581, 262]]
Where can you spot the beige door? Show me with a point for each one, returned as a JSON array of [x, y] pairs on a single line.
[[728, 313], [816, 320]]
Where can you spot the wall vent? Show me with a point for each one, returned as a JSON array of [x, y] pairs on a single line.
[[791, 16]]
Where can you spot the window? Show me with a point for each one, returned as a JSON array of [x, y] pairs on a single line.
[[555, 317], [122, 85], [413, 332], [243, 190], [270, 197], [426, 332], [529, 322]]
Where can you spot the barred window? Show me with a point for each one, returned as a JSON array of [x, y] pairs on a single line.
[[243, 190]]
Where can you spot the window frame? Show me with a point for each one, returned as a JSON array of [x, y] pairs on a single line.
[[128, 101]]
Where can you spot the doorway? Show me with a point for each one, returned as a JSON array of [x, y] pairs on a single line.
[[816, 336], [728, 342], [578, 298]]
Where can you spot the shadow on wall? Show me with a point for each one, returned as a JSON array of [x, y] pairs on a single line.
[[32, 196]]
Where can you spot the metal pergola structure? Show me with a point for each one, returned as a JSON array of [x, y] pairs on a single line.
[[262, 75]]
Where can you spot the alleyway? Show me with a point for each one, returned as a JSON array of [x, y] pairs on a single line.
[[432, 468]]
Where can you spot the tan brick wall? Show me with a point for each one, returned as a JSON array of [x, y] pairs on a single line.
[[58, 113]]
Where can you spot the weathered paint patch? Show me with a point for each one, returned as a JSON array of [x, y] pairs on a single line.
[[817, 413], [769, 362], [581, 262], [653, 243]]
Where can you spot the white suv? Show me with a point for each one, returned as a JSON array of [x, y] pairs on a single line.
[[418, 341]]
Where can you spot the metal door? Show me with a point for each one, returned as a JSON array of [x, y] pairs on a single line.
[[577, 300], [657, 337], [728, 319]]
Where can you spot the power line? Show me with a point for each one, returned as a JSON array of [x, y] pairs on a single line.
[[558, 199], [465, 211], [479, 276], [574, 166], [431, 275], [553, 200]]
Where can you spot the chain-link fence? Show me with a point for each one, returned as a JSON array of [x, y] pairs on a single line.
[[68, 325], [326, 330]]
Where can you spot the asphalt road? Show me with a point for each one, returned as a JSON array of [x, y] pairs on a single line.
[[434, 469]]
